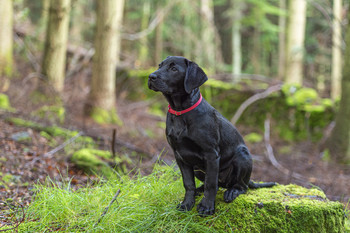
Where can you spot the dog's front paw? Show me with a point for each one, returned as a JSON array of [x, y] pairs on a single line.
[[206, 208], [185, 205]]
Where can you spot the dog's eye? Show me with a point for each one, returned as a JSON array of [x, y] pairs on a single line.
[[173, 68]]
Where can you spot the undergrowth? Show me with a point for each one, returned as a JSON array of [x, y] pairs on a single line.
[[148, 204]]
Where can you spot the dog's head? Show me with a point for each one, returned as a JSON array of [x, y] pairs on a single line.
[[176, 75]]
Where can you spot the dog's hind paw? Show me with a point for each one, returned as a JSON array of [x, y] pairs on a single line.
[[231, 194]]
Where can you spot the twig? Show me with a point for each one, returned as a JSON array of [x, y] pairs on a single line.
[[113, 142], [106, 209], [253, 99], [60, 147], [271, 156]]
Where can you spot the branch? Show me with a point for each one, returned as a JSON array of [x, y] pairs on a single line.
[[114, 134], [106, 209], [58, 148], [253, 99], [154, 23], [271, 156]]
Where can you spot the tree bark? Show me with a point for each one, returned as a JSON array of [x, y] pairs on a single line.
[[339, 141], [295, 42], [208, 34], [223, 23], [143, 51], [119, 18], [336, 50], [6, 37], [54, 61], [158, 52], [282, 40], [102, 99], [236, 39]]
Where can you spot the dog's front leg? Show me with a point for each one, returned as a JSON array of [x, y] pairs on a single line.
[[207, 204], [189, 184]]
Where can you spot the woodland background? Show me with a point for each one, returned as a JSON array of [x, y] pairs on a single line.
[[74, 96]]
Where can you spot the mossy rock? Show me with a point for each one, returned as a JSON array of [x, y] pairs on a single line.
[[99, 161], [283, 208]]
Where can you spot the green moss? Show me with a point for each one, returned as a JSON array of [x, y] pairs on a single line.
[[253, 138], [23, 123], [213, 83], [103, 116], [6, 63], [39, 97], [93, 160], [5, 103], [7, 178], [53, 113]]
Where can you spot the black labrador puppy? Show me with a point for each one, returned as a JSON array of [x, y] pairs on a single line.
[[205, 144]]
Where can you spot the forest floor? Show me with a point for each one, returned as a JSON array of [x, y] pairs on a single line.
[[23, 164]]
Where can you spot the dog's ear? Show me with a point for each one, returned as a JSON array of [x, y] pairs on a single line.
[[195, 76]]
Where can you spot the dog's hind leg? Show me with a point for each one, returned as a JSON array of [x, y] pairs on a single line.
[[233, 193]]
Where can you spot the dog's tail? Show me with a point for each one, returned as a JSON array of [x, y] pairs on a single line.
[[253, 185]]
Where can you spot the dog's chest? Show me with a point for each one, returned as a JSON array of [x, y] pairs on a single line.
[[177, 129], [185, 148]]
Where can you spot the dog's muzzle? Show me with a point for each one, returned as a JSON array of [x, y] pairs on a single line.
[[151, 79]]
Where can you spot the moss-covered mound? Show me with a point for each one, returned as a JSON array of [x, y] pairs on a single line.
[[99, 161], [148, 204]]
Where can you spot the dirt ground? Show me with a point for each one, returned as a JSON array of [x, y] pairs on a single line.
[[23, 164]]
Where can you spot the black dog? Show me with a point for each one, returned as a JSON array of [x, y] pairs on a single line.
[[205, 144]]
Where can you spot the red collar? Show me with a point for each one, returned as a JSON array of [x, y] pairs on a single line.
[[172, 111]]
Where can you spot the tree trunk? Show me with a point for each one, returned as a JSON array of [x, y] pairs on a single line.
[[223, 24], [143, 51], [102, 100], [158, 52], [282, 40], [256, 57], [339, 141], [54, 61], [6, 37], [208, 34], [336, 50], [119, 22], [236, 40], [295, 42]]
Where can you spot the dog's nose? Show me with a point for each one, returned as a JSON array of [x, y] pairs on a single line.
[[153, 76]]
